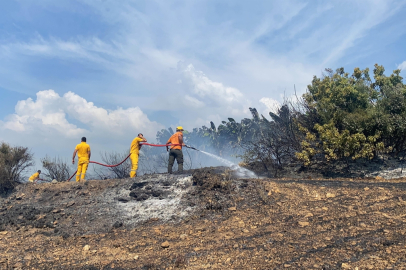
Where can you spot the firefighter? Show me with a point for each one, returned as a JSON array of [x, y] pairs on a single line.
[[35, 177], [176, 150], [135, 152], [83, 150]]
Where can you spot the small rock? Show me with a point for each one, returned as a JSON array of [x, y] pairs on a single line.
[[379, 178], [245, 231], [196, 249], [136, 257], [228, 260], [86, 248], [303, 223], [286, 265], [366, 188], [324, 208], [183, 236], [235, 246], [70, 203], [54, 181], [232, 208], [165, 244], [309, 215], [123, 200], [330, 195], [4, 233], [345, 266], [118, 224]]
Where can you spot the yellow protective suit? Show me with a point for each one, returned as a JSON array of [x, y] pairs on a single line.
[[82, 168], [83, 155], [134, 164], [33, 177], [135, 152]]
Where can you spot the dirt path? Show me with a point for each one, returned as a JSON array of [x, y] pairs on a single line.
[[208, 221]]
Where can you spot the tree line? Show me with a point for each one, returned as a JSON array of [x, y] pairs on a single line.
[[341, 117]]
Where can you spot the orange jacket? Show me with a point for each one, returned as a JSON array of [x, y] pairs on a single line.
[[174, 139]]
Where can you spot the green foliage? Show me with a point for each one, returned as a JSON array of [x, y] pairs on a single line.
[[338, 145], [351, 116]]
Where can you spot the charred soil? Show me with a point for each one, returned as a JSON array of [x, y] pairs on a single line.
[[205, 219]]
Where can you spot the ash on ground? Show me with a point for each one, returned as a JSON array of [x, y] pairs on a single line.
[[100, 205]]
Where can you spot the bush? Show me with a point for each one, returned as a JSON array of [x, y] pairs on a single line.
[[13, 162], [275, 144], [352, 116], [56, 168], [121, 171]]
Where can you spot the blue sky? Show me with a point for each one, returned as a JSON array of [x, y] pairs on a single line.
[[109, 69]]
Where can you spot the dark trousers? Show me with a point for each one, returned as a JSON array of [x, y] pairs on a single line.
[[178, 154]]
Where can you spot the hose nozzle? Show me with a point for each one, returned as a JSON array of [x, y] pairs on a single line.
[[188, 146]]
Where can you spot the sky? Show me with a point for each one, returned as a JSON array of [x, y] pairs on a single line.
[[109, 69]]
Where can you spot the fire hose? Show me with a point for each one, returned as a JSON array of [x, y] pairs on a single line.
[[150, 144]]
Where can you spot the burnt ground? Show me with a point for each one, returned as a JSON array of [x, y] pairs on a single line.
[[205, 219]]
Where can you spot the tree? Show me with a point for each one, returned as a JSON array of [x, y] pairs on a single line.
[[56, 168], [351, 117], [274, 143], [13, 162], [121, 171]]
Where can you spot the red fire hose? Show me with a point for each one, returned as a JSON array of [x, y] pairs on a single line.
[[110, 166]]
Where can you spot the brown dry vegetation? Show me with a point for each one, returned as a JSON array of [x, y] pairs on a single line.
[[236, 224]]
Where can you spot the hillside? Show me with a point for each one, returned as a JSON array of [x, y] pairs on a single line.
[[205, 219]]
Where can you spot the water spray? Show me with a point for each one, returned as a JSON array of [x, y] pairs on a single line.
[[241, 172]]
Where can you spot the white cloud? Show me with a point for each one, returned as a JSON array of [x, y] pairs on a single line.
[[215, 91], [402, 66], [206, 100], [54, 123], [271, 104], [50, 111]]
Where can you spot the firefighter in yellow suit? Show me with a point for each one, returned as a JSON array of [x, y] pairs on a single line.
[[83, 150], [35, 176], [135, 152]]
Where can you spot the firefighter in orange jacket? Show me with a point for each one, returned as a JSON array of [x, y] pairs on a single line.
[[176, 150], [83, 150], [135, 152]]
